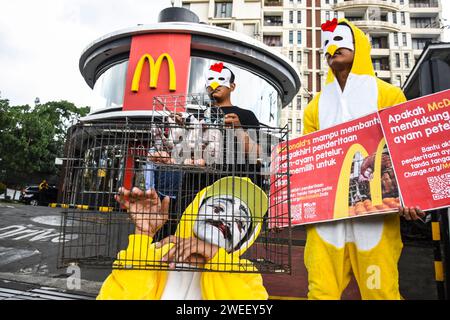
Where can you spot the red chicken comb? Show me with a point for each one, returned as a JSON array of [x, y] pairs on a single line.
[[330, 25], [217, 67]]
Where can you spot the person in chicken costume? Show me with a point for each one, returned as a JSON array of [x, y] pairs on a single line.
[[368, 246], [219, 225]]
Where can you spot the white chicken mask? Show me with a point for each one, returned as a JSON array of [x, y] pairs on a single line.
[[223, 221], [336, 36], [217, 76]]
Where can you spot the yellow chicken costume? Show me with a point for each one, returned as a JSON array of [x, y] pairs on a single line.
[[368, 246], [180, 285]]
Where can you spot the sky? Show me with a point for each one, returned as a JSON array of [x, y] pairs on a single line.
[[41, 43]]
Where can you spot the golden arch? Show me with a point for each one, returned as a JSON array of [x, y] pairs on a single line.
[[154, 69], [341, 202]]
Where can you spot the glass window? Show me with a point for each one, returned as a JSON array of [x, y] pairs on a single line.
[[223, 9], [272, 41], [273, 20], [327, 15], [404, 39], [291, 56], [395, 39], [223, 25], [403, 18], [289, 125], [394, 17], [110, 87], [407, 60], [299, 102], [291, 16], [261, 97], [419, 44], [299, 37], [299, 17], [291, 37], [299, 57], [252, 92], [397, 60], [299, 126]]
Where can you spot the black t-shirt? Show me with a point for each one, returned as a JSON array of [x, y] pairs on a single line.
[[197, 182], [246, 117]]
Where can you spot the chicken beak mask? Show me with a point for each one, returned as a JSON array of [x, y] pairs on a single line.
[[336, 36], [217, 76]]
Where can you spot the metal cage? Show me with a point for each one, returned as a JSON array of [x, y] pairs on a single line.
[[129, 185]]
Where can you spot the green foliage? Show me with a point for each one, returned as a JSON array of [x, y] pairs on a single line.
[[31, 138], [2, 188]]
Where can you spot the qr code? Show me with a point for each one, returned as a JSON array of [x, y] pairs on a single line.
[[309, 210], [440, 186], [296, 211]]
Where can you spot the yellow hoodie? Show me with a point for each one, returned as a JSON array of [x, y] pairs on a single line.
[[241, 284]]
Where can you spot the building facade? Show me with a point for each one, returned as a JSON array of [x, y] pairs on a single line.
[[397, 29]]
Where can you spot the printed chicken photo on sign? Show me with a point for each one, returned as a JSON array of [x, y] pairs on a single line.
[[362, 173]]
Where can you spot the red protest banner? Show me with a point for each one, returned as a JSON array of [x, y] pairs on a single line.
[[417, 133], [337, 173]]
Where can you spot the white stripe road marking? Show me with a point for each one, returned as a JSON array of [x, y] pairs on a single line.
[[8, 255]]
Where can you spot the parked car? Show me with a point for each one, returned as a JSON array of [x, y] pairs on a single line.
[[31, 195]]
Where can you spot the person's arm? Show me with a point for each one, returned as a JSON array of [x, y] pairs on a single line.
[[249, 121], [148, 214]]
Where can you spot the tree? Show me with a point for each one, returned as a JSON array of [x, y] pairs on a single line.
[[31, 138]]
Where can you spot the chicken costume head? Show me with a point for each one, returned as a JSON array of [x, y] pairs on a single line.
[[218, 75]]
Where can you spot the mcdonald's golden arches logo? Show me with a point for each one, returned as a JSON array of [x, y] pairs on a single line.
[[154, 69]]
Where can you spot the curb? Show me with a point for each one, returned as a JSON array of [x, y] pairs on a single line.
[[80, 207]]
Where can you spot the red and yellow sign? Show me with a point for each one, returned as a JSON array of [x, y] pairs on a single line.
[[155, 69], [158, 65], [337, 173], [418, 136]]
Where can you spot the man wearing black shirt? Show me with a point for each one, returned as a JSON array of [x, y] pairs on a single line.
[[219, 85]]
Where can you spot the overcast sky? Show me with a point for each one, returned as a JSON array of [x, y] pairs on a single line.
[[41, 42]]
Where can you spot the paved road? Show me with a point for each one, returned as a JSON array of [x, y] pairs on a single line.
[[29, 244]]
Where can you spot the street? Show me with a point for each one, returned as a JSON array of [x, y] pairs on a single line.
[[29, 243]]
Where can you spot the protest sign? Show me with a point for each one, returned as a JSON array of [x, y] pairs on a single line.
[[418, 135], [337, 173]]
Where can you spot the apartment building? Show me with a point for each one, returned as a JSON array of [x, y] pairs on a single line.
[[397, 29]]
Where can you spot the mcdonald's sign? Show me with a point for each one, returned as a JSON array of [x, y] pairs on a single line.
[[154, 69], [158, 65]]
